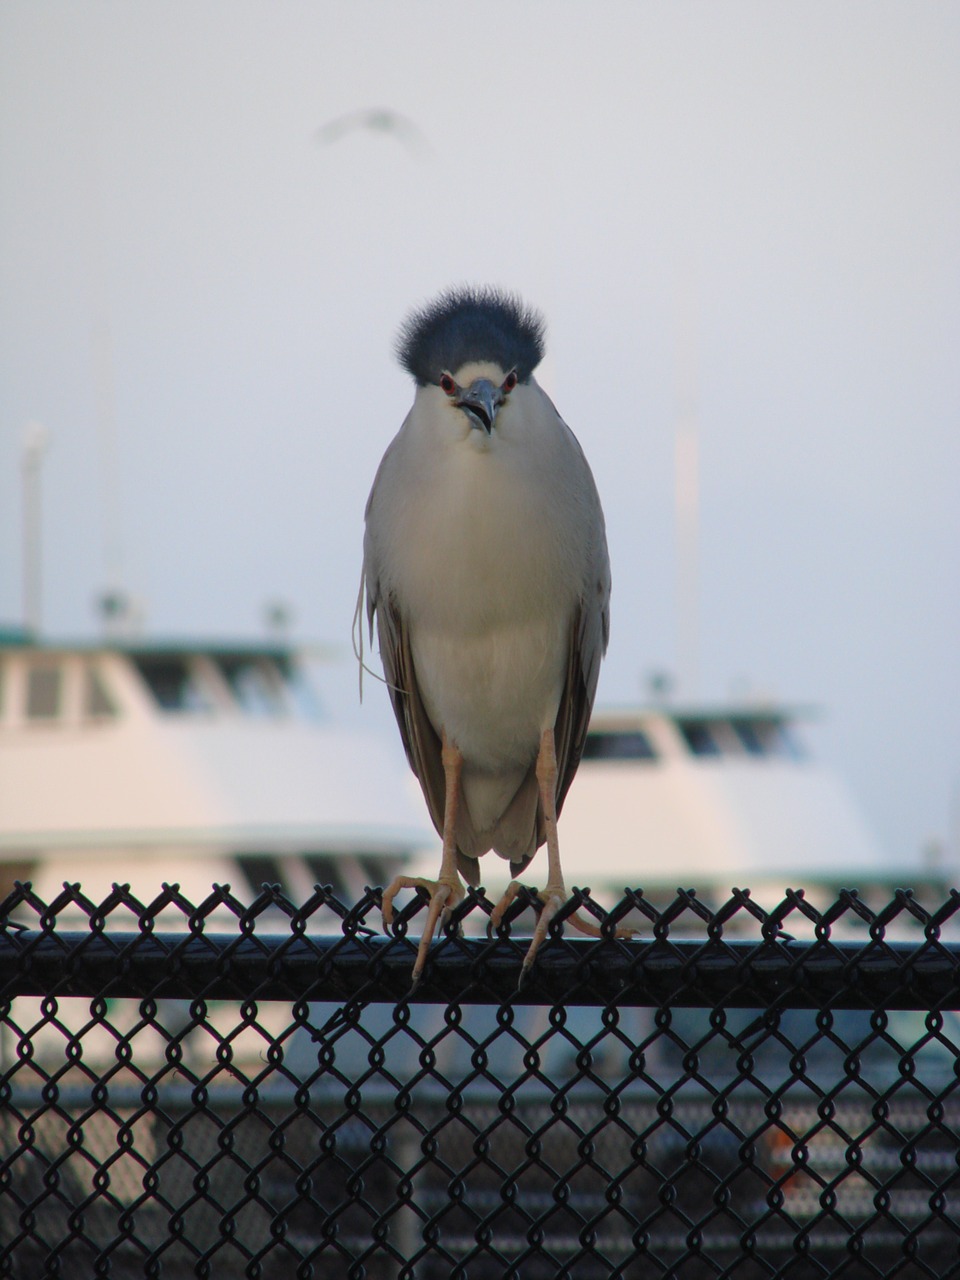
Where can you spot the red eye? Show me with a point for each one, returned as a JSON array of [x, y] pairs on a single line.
[[447, 384], [510, 381]]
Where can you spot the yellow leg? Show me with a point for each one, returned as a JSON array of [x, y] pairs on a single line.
[[554, 894], [447, 890]]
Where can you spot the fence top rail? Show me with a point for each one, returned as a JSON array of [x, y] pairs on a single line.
[[685, 953], [686, 973]]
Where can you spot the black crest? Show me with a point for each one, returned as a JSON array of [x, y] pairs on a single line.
[[467, 324]]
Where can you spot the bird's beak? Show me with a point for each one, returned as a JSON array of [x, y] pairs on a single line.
[[481, 402]]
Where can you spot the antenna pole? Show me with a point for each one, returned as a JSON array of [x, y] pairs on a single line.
[[687, 486], [35, 441], [688, 555]]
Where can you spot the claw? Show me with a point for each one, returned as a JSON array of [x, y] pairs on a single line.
[[553, 897], [552, 902], [498, 912], [444, 892]]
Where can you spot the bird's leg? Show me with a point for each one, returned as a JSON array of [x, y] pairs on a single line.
[[447, 890], [554, 893]]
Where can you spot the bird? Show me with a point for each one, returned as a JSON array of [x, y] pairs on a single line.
[[376, 120], [486, 570]]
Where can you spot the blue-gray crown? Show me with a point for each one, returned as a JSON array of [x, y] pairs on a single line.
[[470, 324]]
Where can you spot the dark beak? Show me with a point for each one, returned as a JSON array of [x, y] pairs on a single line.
[[481, 402]]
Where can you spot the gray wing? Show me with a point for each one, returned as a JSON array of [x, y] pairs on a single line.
[[421, 742], [588, 643]]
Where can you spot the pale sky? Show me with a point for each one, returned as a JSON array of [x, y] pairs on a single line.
[[747, 213]]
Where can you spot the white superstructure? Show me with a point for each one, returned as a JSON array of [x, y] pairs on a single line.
[[147, 762], [710, 796]]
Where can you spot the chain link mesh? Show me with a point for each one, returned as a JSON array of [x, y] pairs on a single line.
[[230, 1089]]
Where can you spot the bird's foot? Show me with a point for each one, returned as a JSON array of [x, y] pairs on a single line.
[[553, 897], [445, 893]]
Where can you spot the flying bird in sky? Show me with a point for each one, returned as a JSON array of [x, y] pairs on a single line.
[[485, 564], [375, 120]]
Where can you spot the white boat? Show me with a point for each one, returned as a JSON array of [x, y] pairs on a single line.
[[146, 762], [711, 796]]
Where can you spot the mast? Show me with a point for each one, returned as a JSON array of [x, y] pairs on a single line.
[[36, 439], [687, 490]]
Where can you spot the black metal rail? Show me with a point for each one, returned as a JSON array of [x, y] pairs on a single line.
[[219, 966]]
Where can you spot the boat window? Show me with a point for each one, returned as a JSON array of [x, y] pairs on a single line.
[[379, 868], [325, 868], [173, 684], [97, 702], [254, 682], [261, 869], [699, 738], [763, 736], [628, 744], [44, 688], [752, 737]]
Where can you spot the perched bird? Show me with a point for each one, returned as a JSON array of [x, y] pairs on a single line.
[[485, 564]]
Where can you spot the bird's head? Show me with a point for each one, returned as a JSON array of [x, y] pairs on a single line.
[[476, 346]]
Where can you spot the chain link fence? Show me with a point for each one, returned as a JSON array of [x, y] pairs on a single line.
[[230, 1089]]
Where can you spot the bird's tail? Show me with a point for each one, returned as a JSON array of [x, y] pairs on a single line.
[[499, 816]]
